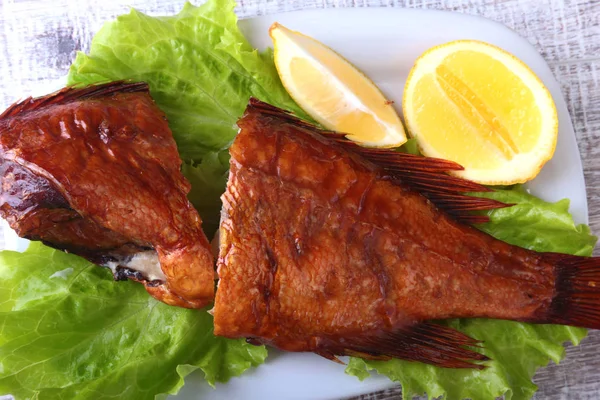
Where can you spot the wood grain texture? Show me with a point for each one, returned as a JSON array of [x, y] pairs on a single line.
[[38, 40]]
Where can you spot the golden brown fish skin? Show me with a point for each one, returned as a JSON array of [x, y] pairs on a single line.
[[319, 246], [96, 171]]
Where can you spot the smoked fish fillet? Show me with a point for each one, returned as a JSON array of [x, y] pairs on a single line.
[[95, 171], [336, 249]]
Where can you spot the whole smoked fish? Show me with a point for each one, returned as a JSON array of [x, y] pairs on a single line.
[[340, 250], [95, 171]]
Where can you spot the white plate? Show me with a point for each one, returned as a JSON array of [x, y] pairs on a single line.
[[384, 44]]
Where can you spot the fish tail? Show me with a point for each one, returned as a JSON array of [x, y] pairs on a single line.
[[577, 298]]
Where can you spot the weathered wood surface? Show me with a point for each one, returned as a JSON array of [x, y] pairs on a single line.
[[39, 38]]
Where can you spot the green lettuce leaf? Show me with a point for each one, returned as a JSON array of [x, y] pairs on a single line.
[[537, 225], [410, 147], [200, 68], [517, 349], [208, 180], [70, 332]]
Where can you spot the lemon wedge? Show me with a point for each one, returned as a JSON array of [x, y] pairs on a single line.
[[474, 103], [333, 91]]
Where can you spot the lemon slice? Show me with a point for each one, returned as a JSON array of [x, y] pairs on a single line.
[[473, 103], [333, 91]]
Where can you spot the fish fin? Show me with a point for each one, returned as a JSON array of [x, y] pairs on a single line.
[[577, 298], [428, 176], [73, 93], [330, 356], [424, 342], [257, 105]]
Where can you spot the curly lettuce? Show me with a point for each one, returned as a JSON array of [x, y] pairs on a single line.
[[200, 68], [68, 331]]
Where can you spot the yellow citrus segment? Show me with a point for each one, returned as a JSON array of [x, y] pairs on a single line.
[[333, 91], [501, 90], [476, 104], [440, 116]]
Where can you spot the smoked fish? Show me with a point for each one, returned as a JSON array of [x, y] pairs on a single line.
[[95, 171], [336, 249]]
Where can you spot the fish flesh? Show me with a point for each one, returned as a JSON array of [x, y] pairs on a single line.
[[332, 248], [95, 171]]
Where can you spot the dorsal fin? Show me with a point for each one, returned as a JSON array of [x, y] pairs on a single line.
[[428, 176], [73, 93]]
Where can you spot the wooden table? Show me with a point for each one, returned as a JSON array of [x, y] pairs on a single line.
[[39, 38]]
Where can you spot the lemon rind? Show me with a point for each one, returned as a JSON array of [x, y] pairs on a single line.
[[524, 166], [394, 136]]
